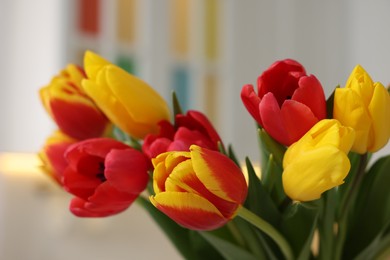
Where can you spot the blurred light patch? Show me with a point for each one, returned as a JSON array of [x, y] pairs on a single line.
[[20, 164]]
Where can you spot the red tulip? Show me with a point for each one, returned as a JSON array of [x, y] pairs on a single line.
[[192, 128], [288, 102], [105, 175]]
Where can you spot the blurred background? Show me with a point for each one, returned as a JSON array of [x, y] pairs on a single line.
[[205, 50]]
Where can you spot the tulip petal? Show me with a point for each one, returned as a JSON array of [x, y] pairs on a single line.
[[272, 121], [331, 132], [54, 158], [349, 109], [251, 101], [72, 110], [184, 179], [189, 210], [53, 154], [78, 184], [163, 166], [78, 120], [195, 120], [361, 82], [160, 175], [298, 118], [281, 79], [106, 195], [185, 137], [219, 174], [126, 170], [152, 147], [63, 88], [112, 108], [98, 147], [74, 72], [83, 208], [93, 64], [311, 93], [315, 172], [143, 103], [175, 158], [379, 110], [327, 132]]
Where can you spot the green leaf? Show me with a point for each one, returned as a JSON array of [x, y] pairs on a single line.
[[298, 226], [270, 146], [329, 104], [267, 175], [273, 153], [269, 246], [176, 105], [222, 149], [344, 189], [232, 155], [202, 248], [119, 135], [378, 248], [250, 238], [272, 180], [372, 207], [258, 200], [228, 250], [178, 235]]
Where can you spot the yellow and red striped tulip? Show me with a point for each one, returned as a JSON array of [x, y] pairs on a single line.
[[364, 106], [72, 110], [318, 161], [52, 154], [130, 103], [200, 189]]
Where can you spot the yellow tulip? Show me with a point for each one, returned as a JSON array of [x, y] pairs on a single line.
[[364, 106], [126, 100], [318, 161]]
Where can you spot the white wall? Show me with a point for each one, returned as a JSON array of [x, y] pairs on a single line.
[[30, 54]]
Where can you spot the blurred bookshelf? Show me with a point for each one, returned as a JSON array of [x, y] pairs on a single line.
[[174, 45]]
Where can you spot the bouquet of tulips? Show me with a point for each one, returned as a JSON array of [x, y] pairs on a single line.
[[318, 195]]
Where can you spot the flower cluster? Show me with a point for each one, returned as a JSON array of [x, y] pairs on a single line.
[[118, 142]]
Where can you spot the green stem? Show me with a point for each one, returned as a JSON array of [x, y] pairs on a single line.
[[348, 204], [236, 233], [133, 143], [267, 229], [326, 225]]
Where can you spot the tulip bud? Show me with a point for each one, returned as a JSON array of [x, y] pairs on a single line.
[[288, 102], [191, 128], [72, 110], [364, 106], [201, 189], [318, 161], [128, 102], [52, 155]]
